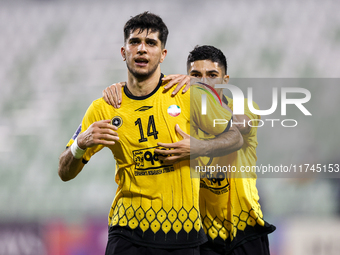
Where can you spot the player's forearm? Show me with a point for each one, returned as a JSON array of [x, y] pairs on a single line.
[[222, 144], [69, 167], [241, 122]]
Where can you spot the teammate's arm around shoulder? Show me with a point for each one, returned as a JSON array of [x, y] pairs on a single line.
[[113, 94], [99, 133]]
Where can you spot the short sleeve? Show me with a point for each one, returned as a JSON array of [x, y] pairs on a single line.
[[91, 116]]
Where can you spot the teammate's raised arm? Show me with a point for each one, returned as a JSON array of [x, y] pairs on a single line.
[[113, 94], [180, 80]]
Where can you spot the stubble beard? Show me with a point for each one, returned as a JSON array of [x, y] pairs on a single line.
[[141, 75]]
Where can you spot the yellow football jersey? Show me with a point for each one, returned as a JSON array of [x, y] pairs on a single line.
[[229, 204], [155, 204]]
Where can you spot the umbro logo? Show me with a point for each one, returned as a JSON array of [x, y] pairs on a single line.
[[143, 108]]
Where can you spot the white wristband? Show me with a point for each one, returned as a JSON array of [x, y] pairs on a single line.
[[76, 151]]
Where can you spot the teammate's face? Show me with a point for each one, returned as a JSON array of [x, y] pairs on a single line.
[[143, 53], [208, 71]]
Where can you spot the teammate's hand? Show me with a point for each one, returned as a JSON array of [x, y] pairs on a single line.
[[100, 132], [113, 94], [178, 151], [181, 79]]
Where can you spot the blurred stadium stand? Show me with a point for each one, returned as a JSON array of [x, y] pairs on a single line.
[[58, 56]]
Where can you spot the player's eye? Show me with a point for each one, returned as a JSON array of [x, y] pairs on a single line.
[[151, 43], [134, 42], [196, 75], [213, 75]]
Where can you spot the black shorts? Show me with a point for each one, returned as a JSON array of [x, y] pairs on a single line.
[[117, 245], [259, 246]]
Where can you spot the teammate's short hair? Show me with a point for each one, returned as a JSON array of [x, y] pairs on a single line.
[[149, 21], [207, 52]]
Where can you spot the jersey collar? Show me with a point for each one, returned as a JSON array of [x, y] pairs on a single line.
[[225, 100], [129, 95]]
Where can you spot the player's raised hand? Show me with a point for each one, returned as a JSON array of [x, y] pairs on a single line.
[[100, 132], [113, 94], [181, 79]]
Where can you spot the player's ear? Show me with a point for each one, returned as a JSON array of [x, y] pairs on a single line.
[[122, 52], [226, 79], [164, 52]]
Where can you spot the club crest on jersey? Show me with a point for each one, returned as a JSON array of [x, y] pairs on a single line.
[[117, 121], [174, 110]]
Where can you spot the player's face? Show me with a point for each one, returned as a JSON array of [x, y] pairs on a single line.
[[208, 70], [143, 53]]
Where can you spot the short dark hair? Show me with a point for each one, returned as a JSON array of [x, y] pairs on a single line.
[[149, 21], [207, 52]]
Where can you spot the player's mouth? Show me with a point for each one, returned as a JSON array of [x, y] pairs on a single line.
[[141, 62]]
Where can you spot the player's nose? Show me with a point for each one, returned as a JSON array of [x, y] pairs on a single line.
[[142, 48], [204, 79]]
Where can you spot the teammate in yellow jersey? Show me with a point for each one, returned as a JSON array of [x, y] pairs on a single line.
[[156, 207], [229, 207]]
